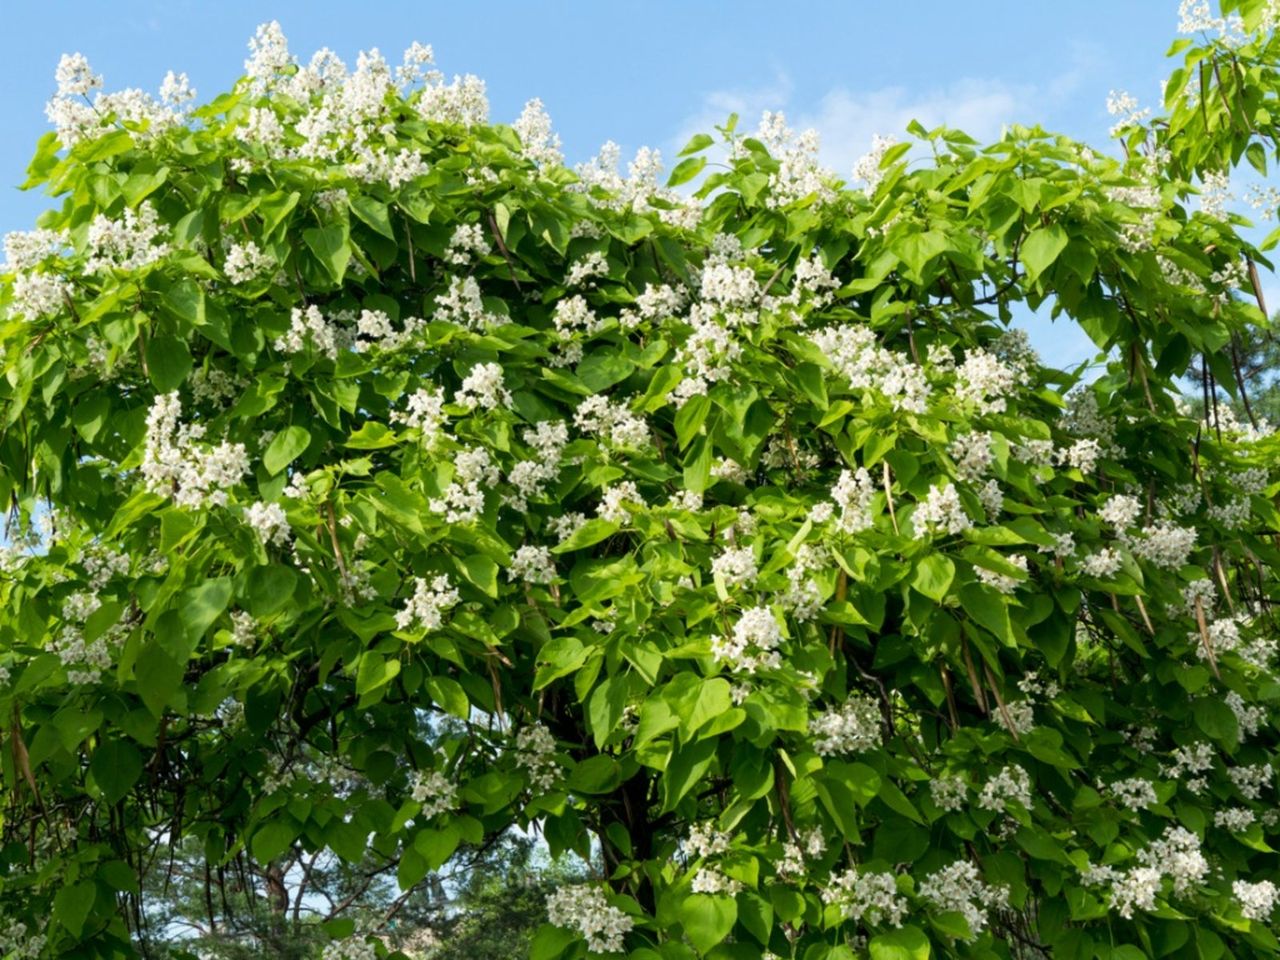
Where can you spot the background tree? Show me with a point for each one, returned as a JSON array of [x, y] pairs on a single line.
[[404, 488]]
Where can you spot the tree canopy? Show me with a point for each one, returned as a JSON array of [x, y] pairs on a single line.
[[381, 485]]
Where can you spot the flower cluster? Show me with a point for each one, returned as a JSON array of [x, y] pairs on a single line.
[[584, 908], [431, 600], [176, 464], [753, 645], [868, 896], [537, 754], [852, 728]]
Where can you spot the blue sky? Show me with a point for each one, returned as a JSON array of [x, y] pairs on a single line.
[[643, 73]]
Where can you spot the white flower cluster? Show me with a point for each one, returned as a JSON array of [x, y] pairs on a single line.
[[269, 522], [27, 249], [85, 661], [548, 438], [1135, 793], [174, 464], [1234, 819], [753, 646], [958, 887], [1257, 900], [1018, 716], [803, 596], [852, 494], [973, 454], [537, 141], [483, 388], [1011, 785], [246, 262], [75, 118], [857, 357], [941, 512], [310, 325], [532, 564], [583, 271], [871, 895], [424, 412], [601, 417], [468, 241], [613, 501], [984, 380], [704, 840], [855, 726], [130, 243], [463, 304], [1195, 759], [950, 793], [867, 169], [463, 500], [1164, 544], [18, 943], [799, 174], [637, 189], [584, 908], [655, 302], [355, 947], [1102, 563], [434, 791], [1250, 780], [712, 880], [792, 864], [1175, 855], [431, 600], [36, 295], [736, 567], [1249, 717], [537, 755], [244, 628]]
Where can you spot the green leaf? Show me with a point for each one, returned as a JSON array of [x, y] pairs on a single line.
[[707, 920], [270, 589], [159, 677], [447, 694], [1041, 248], [480, 571], [202, 605], [587, 535], [698, 142], [272, 839], [713, 698], [331, 247], [374, 213], [375, 672], [687, 765], [933, 576], [906, 943], [686, 170], [116, 766], [168, 362], [72, 904], [285, 447]]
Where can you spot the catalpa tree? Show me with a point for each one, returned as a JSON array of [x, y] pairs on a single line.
[[379, 485]]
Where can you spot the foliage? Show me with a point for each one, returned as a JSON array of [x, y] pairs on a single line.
[[747, 551]]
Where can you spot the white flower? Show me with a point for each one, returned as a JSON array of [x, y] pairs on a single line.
[[537, 141], [941, 512], [1003, 582], [537, 750], [736, 567], [483, 388], [584, 908], [468, 241], [957, 887], [431, 600], [754, 643], [870, 895], [1121, 511], [613, 500], [1257, 900], [246, 262], [532, 565], [1011, 785], [1101, 564], [130, 243], [1134, 793], [425, 412], [949, 792], [463, 500], [269, 523], [434, 791], [984, 380], [972, 453], [854, 727]]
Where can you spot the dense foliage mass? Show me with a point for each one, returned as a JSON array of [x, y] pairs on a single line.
[[402, 487]]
